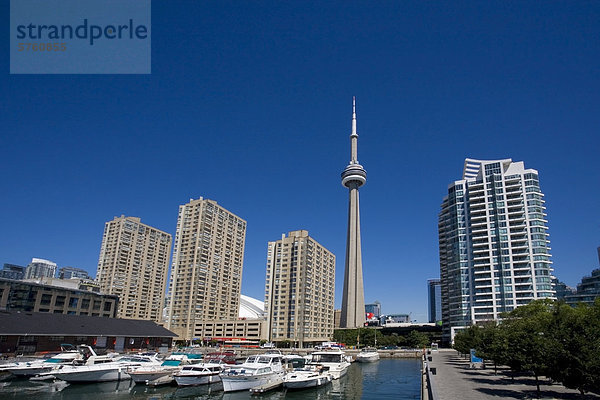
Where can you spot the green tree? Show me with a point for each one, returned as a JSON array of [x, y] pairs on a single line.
[[466, 339], [492, 344], [575, 350], [527, 332], [417, 340]]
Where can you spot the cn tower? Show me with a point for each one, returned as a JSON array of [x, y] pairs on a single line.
[[353, 300]]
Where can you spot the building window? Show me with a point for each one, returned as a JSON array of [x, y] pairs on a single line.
[[60, 301], [46, 299]]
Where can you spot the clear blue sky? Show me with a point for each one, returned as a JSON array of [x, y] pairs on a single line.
[[249, 104]]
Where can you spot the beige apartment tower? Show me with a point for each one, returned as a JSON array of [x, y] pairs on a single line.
[[206, 277], [133, 264], [299, 290]]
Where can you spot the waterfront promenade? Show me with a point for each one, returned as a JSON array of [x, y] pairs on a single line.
[[455, 380]]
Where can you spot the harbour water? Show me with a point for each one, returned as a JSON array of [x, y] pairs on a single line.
[[396, 379]]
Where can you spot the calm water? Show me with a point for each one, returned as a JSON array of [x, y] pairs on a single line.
[[385, 379]]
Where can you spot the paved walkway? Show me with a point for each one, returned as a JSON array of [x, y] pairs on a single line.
[[455, 381]]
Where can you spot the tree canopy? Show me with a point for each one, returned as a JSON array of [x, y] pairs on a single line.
[[544, 337]]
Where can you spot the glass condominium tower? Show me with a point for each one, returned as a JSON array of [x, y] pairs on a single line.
[[493, 243]]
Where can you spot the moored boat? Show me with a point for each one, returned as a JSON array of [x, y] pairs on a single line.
[[198, 374], [334, 361], [160, 374], [367, 355], [304, 376], [113, 370], [68, 355], [258, 370]]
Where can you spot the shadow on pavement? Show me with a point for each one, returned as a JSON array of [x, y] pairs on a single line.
[[532, 394]]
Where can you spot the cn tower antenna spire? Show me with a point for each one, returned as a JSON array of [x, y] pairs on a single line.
[[353, 135]]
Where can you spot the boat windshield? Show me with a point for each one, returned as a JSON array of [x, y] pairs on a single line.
[[228, 358], [263, 370], [297, 362], [193, 368], [326, 357], [134, 359], [57, 360]]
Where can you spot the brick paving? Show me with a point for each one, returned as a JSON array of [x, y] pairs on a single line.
[[454, 380]]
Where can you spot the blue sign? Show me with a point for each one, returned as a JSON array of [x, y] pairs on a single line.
[[474, 358]]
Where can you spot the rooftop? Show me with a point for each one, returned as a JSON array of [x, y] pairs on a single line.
[[46, 324]]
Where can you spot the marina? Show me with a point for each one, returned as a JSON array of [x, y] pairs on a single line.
[[385, 379]]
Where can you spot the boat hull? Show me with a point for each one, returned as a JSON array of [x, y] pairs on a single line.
[[336, 370], [367, 358], [308, 382], [31, 371], [116, 374], [196, 380], [150, 376], [163, 380], [247, 382]]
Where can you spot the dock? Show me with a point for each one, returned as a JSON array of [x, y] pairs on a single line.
[[383, 353], [450, 377]]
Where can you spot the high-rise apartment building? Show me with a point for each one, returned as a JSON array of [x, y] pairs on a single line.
[[493, 242], [12, 271], [299, 289], [561, 289], [588, 290], [133, 264], [206, 276], [434, 295], [40, 268], [72, 272]]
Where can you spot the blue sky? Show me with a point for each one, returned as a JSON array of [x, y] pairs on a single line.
[[249, 104]]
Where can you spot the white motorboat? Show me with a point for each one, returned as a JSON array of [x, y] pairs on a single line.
[[160, 374], [304, 376], [258, 370], [198, 374], [367, 355], [69, 354], [204, 373], [113, 370], [334, 361]]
